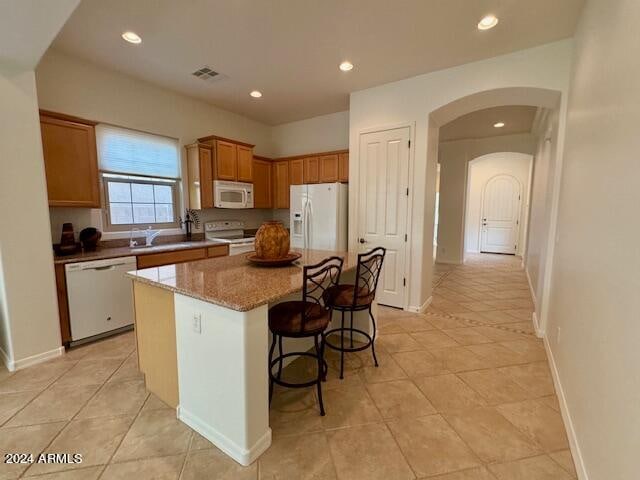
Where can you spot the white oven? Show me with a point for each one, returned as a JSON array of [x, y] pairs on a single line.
[[232, 194]]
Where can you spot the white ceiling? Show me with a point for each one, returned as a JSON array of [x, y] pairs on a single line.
[[479, 124], [27, 28], [290, 49]]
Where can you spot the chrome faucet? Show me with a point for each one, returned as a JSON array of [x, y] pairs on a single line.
[[150, 236]]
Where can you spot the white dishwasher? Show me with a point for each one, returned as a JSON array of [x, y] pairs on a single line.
[[100, 296]]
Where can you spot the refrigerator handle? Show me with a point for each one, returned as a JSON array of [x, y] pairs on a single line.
[[307, 217]]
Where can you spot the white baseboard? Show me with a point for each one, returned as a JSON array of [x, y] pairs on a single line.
[[566, 416], [241, 455], [8, 362], [35, 359], [422, 308]]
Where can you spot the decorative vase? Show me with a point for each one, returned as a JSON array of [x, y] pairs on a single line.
[[272, 241]]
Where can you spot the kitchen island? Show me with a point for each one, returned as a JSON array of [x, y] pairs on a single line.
[[202, 335]]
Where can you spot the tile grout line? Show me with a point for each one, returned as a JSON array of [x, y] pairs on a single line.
[[67, 422]]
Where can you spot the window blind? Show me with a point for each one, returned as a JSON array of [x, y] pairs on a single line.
[[121, 150]]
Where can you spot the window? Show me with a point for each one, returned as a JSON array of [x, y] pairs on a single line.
[[140, 178]]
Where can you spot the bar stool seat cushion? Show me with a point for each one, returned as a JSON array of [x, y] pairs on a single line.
[[342, 296], [286, 318]]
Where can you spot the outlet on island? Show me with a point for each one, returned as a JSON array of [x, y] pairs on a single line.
[[196, 323]]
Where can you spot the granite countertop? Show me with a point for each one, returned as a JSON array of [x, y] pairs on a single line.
[[234, 282], [102, 253]]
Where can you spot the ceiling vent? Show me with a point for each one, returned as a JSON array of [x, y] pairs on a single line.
[[205, 73]]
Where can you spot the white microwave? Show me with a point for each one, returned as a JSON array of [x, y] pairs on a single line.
[[232, 194]]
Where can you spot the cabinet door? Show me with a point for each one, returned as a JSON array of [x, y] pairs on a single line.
[[168, 258], [245, 164], [281, 184], [70, 163], [226, 161], [206, 177], [328, 168], [343, 166], [262, 184], [296, 171], [311, 170]]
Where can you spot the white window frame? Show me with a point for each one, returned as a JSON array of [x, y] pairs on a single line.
[[106, 177]]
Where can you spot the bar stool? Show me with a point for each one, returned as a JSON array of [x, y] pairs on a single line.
[[355, 298], [304, 318]]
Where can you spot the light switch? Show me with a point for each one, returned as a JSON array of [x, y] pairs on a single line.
[[197, 323]]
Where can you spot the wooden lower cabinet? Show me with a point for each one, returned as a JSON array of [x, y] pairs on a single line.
[[218, 251], [262, 183], [63, 303], [281, 184], [167, 258]]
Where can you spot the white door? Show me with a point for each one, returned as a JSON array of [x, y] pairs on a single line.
[[382, 206], [500, 215]]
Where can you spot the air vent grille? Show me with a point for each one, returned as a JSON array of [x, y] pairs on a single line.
[[205, 73]]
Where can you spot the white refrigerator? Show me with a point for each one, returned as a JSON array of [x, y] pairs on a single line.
[[319, 216]]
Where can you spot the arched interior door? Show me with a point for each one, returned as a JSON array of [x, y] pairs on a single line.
[[500, 215]]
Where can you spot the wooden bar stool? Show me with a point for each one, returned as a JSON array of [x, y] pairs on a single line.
[[354, 298], [304, 318]]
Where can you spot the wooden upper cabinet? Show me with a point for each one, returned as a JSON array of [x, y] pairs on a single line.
[[343, 167], [296, 171], [200, 176], [226, 161], [245, 164], [281, 184], [328, 168], [70, 161], [311, 170], [262, 183]]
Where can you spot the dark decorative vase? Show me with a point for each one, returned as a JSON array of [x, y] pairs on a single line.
[[272, 241]]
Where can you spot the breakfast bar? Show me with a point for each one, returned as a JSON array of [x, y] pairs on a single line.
[[202, 335]]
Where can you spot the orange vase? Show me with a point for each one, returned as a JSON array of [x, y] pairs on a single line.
[[272, 241]]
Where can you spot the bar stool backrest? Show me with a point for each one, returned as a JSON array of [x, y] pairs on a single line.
[[367, 275], [316, 280]]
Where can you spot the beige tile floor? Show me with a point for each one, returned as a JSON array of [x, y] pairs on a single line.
[[463, 392]]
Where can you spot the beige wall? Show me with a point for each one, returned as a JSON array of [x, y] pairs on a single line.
[[29, 309], [453, 158], [594, 312], [317, 134], [540, 212]]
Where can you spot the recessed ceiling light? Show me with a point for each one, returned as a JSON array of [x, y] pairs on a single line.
[[498, 125], [132, 37], [487, 22], [256, 94], [346, 66]]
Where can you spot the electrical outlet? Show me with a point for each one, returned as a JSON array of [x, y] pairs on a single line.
[[558, 335], [196, 323]]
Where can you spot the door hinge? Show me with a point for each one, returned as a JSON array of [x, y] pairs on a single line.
[[518, 197], [404, 282], [405, 237], [409, 144], [407, 191]]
